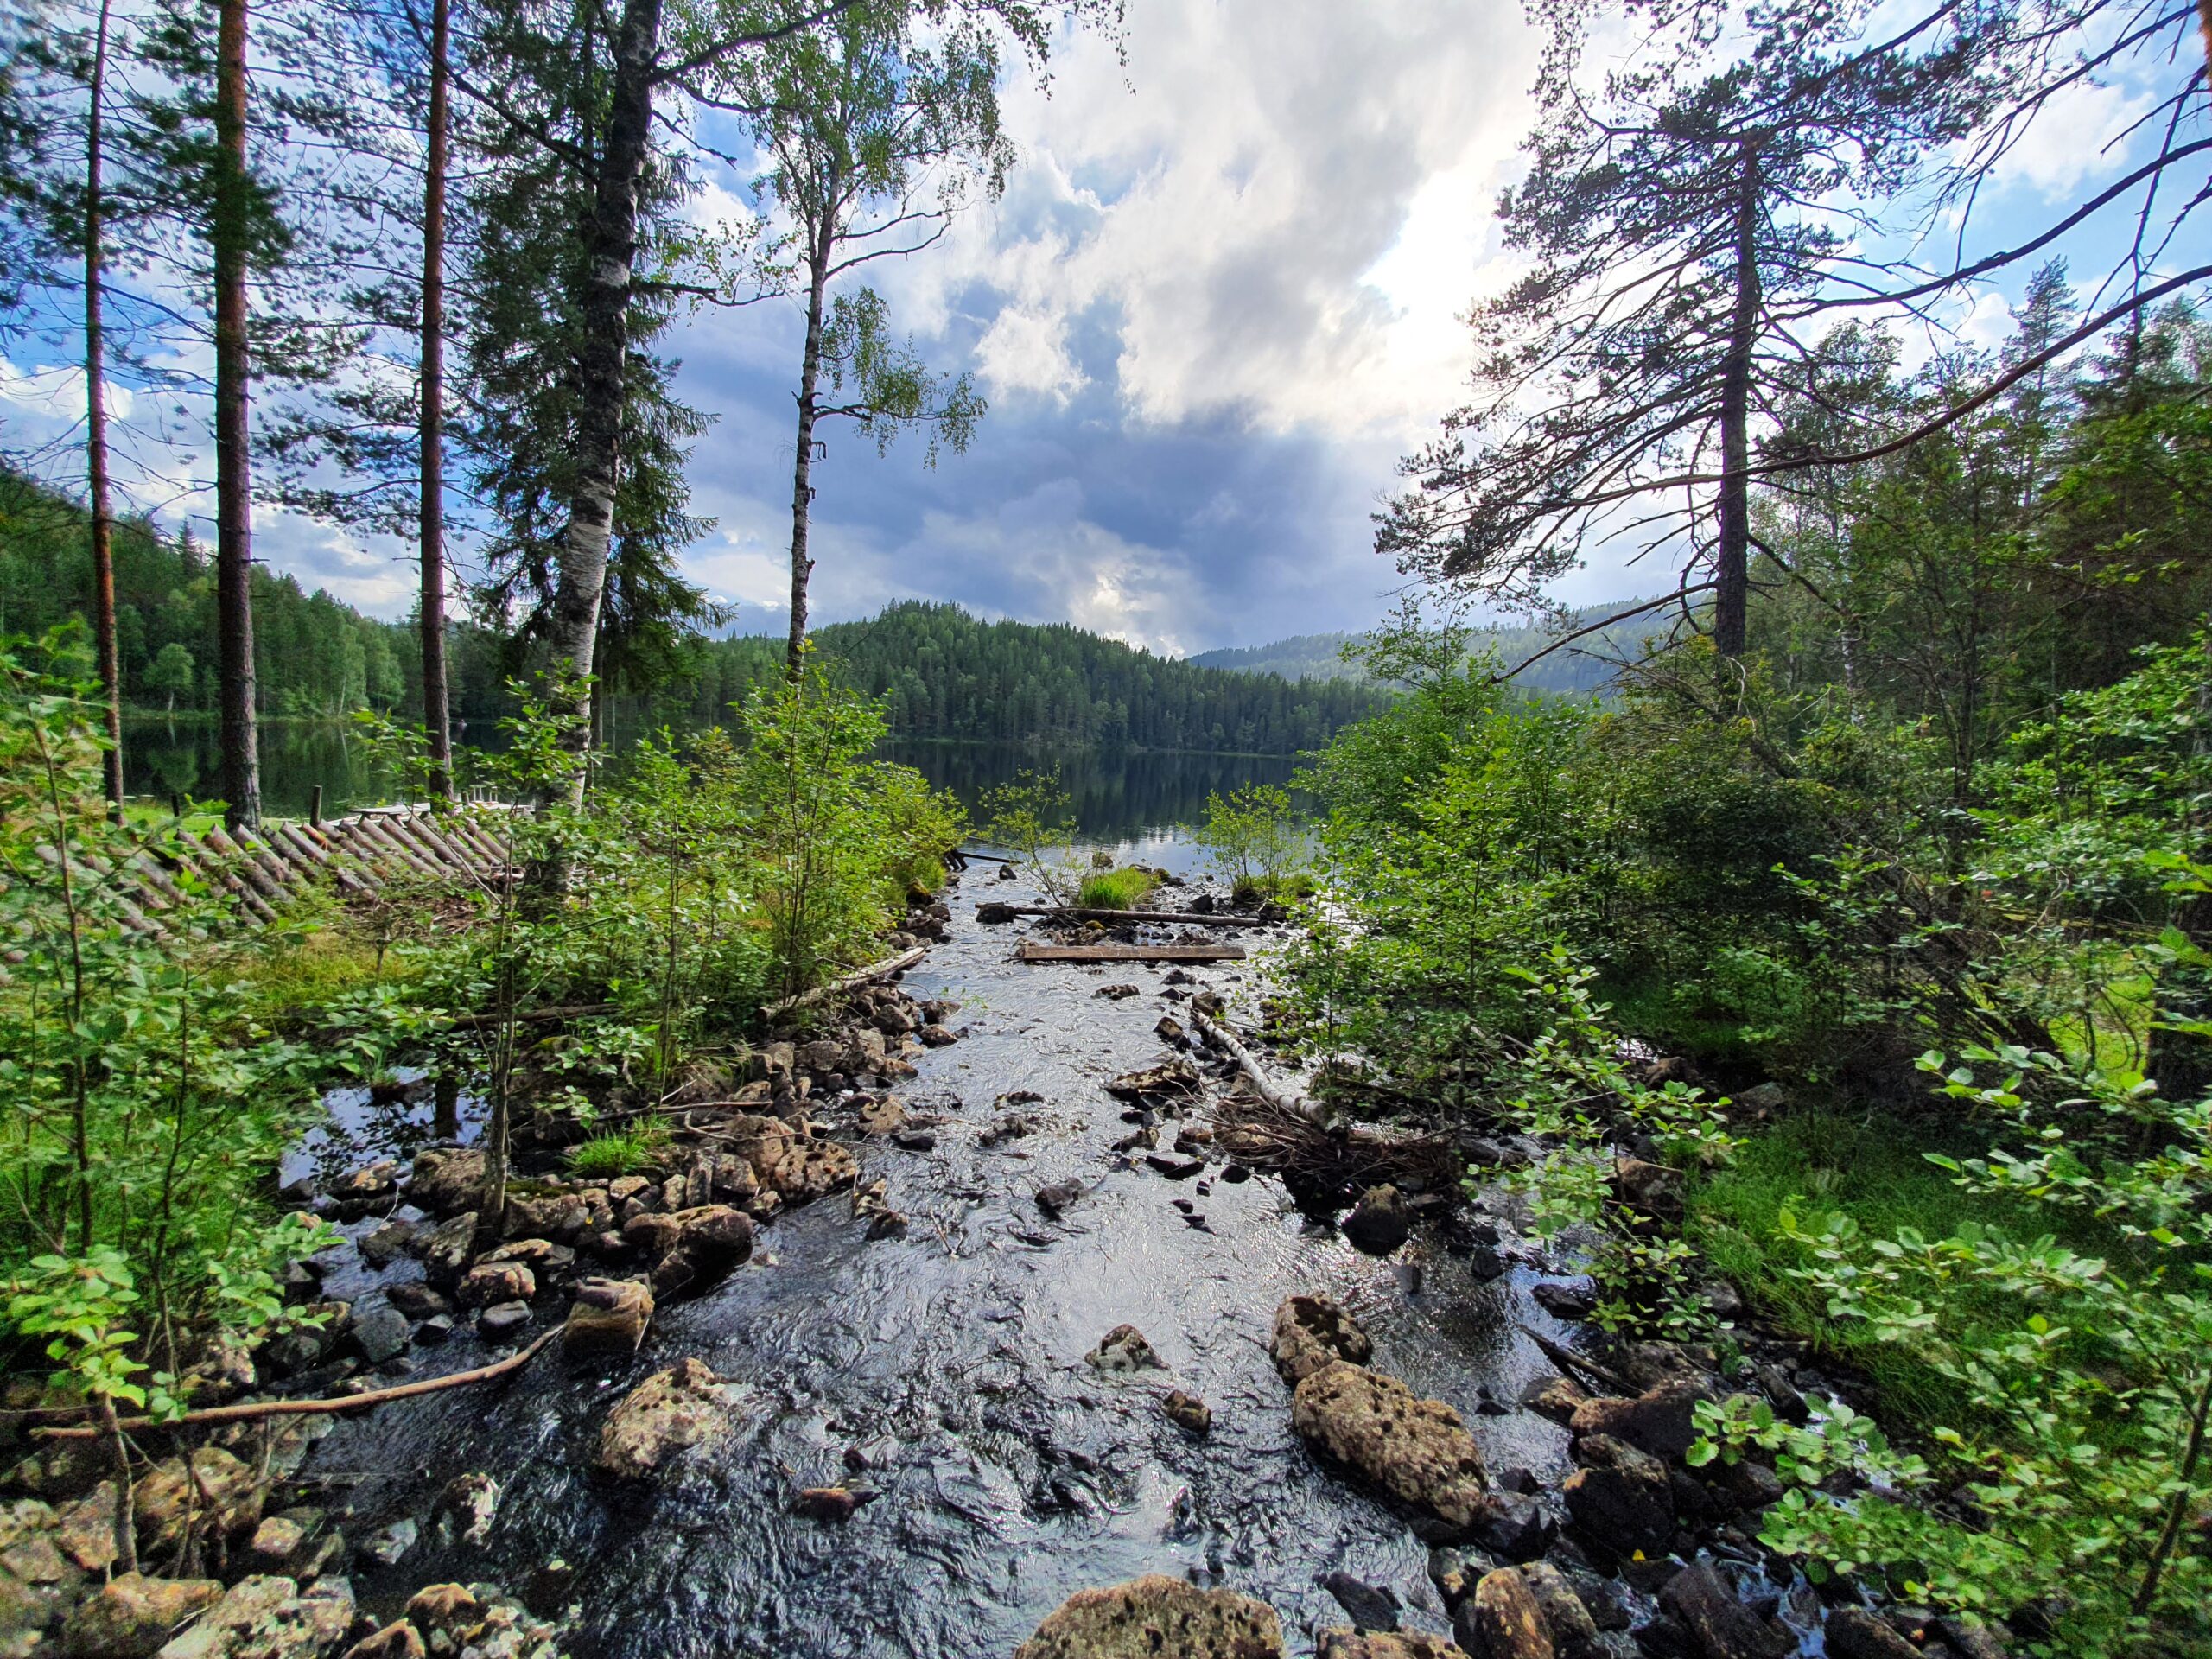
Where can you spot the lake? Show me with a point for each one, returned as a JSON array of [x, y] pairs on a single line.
[[1130, 798]]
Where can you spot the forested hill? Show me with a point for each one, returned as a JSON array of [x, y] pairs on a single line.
[[1581, 667], [945, 673]]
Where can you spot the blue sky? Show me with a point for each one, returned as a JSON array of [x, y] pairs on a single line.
[[1217, 302]]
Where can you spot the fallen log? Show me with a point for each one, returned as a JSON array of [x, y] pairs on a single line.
[[1570, 1362], [1082, 913], [1225, 1040], [852, 981], [258, 1408], [1032, 951]]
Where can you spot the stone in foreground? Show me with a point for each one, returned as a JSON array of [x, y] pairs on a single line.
[[1386, 1644], [133, 1616], [1156, 1616], [1311, 1332], [669, 1413], [1416, 1450]]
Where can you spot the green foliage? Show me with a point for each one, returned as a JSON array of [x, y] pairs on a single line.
[[1114, 889], [622, 1152], [1253, 840], [1030, 814]]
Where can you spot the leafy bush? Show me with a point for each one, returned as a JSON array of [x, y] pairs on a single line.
[[1114, 889], [1253, 842], [1032, 816]]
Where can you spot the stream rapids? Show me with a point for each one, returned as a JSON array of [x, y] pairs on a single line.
[[944, 1371]]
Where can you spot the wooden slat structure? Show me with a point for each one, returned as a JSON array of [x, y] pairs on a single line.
[[360, 855], [1032, 951]]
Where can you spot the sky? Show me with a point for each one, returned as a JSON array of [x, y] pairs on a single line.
[[1220, 298]]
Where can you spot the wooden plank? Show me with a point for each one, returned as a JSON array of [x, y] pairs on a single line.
[[1032, 951], [1162, 918]]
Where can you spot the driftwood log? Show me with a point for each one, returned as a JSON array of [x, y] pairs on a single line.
[[1084, 913], [852, 981], [1032, 951], [1264, 1086], [255, 1408]]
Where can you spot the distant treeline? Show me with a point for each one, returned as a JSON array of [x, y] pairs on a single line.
[[1586, 666], [944, 673]]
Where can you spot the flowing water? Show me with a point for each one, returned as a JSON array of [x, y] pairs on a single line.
[[949, 1367]]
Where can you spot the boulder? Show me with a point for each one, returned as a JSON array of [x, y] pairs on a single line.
[[1512, 1526], [466, 1507], [1155, 1616], [389, 1243], [490, 1283], [85, 1530], [447, 1181], [165, 1496], [398, 1640], [447, 1608], [1566, 1621], [669, 1413], [1854, 1633], [560, 1217], [1620, 1495], [1385, 1645], [132, 1616], [609, 1316], [1556, 1397], [1379, 1222], [1416, 1450], [1723, 1628], [1369, 1607], [1124, 1350], [1501, 1620], [1187, 1412], [1178, 1076], [1311, 1332], [269, 1619], [449, 1250], [1660, 1420], [711, 1241], [380, 1331]]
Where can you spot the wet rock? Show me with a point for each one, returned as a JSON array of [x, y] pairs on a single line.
[[388, 1545], [1501, 1620], [1173, 1077], [936, 1036], [449, 1250], [991, 912], [1573, 1633], [830, 1502], [132, 1616], [443, 1608], [1752, 1486], [1416, 1450], [711, 1241], [390, 1241], [1653, 1191], [560, 1216], [1152, 1617], [669, 1413], [1117, 993], [220, 1481], [1311, 1332], [609, 1316], [1556, 1397], [1368, 1608], [1564, 1301], [1187, 1412], [438, 1329], [1854, 1633], [1058, 1197], [466, 1509], [1512, 1526], [445, 1180], [380, 1331], [1379, 1222], [269, 1619], [1721, 1626], [1620, 1495], [396, 1640], [277, 1545], [502, 1320], [85, 1530], [915, 1140], [416, 1300], [1235, 1174], [1385, 1645], [1175, 1169], [1124, 1350], [491, 1283], [885, 1116], [1660, 1420], [1973, 1639], [1170, 1029]]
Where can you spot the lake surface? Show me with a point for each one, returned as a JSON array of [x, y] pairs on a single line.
[[1127, 798]]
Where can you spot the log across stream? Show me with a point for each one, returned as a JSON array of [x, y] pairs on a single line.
[[944, 1372]]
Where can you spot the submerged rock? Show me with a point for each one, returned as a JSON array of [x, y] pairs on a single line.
[[1380, 1222], [1187, 1412], [1173, 1077], [1416, 1450], [1620, 1496], [1385, 1645], [669, 1413], [1311, 1332], [1124, 1350], [1152, 1617]]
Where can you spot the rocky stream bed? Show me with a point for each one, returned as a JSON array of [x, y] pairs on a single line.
[[979, 1359]]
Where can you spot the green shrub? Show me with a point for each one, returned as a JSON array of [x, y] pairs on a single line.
[[620, 1152], [1114, 889]]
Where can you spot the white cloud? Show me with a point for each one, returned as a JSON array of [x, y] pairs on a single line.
[[1026, 350]]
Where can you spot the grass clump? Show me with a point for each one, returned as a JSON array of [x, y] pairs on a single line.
[[1115, 889], [620, 1152]]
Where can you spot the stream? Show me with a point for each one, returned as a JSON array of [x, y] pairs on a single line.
[[944, 1370]]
